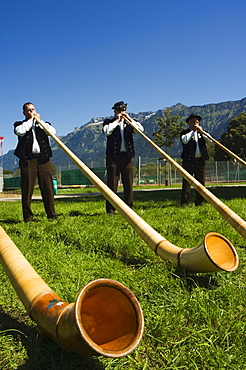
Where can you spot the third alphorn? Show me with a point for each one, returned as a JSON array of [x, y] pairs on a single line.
[[228, 151], [237, 222]]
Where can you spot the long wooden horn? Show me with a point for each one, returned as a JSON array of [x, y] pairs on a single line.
[[228, 151], [207, 257], [105, 320], [236, 222]]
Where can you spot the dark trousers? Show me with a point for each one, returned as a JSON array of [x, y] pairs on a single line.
[[196, 168], [121, 165], [30, 170]]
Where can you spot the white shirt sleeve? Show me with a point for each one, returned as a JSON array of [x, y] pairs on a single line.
[[187, 137], [108, 129], [138, 126], [26, 126], [22, 129]]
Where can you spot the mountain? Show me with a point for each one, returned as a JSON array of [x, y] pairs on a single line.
[[89, 143]]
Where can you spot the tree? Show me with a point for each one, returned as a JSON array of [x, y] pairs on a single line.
[[54, 171], [169, 130], [211, 150], [168, 133], [234, 139]]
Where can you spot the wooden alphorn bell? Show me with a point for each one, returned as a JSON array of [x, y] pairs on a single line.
[[106, 318], [236, 222], [228, 151], [215, 253]]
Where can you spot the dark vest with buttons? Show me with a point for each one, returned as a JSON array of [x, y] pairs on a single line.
[[24, 146], [114, 140], [189, 149]]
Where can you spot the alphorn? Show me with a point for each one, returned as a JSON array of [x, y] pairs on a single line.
[[106, 318], [228, 151], [215, 253], [236, 222]]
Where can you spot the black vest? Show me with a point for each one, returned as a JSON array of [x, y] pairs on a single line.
[[189, 149], [24, 146], [114, 140]]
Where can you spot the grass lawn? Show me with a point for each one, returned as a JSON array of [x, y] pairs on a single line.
[[192, 320]]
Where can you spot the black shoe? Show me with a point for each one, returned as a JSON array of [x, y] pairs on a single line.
[[199, 204], [52, 218], [29, 219]]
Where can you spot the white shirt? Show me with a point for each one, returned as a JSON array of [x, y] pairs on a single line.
[[28, 125], [193, 135], [108, 129]]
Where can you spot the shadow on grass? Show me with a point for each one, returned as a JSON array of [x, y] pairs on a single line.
[[79, 199], [242, 246], [157, 195], [136, 262], [10, 221], [191, 281], [224, 192], [78, 213], [43, 353]]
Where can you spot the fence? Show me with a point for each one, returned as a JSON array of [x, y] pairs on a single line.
[[163, 173], [146, 171], [76, 177]]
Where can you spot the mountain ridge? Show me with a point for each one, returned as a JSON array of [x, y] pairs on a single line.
[[89, 143]]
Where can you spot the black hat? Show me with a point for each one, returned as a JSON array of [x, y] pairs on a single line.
[[194, 116], [120, 105]]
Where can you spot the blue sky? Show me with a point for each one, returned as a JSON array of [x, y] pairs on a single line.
[[74, 59]]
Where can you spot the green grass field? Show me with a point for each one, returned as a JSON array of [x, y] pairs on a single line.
[[192, 320]]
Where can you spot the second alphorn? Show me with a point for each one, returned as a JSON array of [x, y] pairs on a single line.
[[228, 151], [236, 222], [215, 253]]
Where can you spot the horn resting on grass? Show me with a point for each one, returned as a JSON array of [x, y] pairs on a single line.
[[106, 318], [216, 253]]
